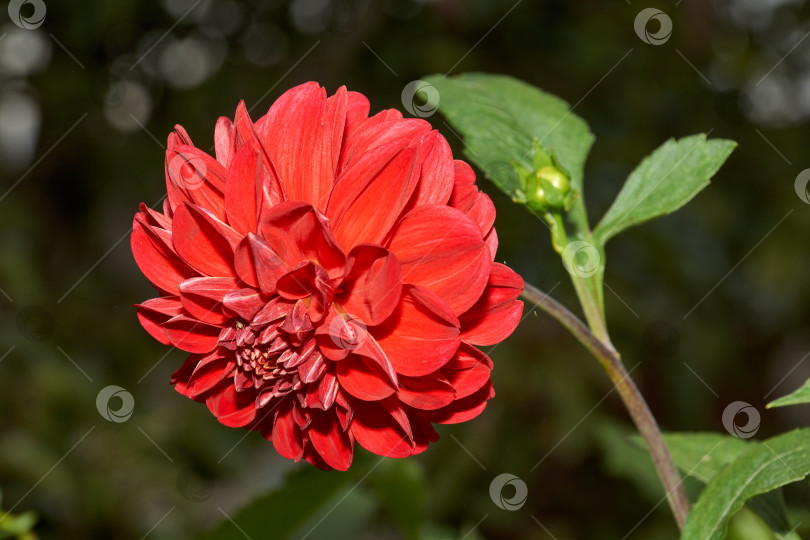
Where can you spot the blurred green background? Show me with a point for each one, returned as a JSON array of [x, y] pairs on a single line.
[[86, 102]]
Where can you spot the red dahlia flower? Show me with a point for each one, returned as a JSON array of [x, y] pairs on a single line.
[[330, 274]]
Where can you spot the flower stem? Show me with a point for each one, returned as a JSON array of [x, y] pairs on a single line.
[[609, 358]]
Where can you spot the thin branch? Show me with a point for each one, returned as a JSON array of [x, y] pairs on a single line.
[[632, 398]]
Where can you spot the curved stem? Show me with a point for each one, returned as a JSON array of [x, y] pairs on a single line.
[[632, 398]]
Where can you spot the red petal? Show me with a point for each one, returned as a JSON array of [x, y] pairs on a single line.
[[302, 133], [436, 177], [158, 263], [223, 141], [202, 297], [372, 285], [384, 178], [375, 429], [258, 265], [330, 441], [430, 392], [363, 379], [194, 177], [232, 408], [204, 242], [246, 303], [297, 232], [153, 313], [442, 249], [287, 437], [240, 190], [464, 409], [497, 313], [208, 372], [420, 337], [468, 371], [381, 130], [357, 108], [191, 335]]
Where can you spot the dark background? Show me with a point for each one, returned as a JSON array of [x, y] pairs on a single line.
[[87, 101]]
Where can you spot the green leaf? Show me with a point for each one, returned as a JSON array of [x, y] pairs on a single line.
[[704, 455], [799, 397], [762, 468], [282, 512], [401, 488], [500, 116], [17, 525], [664, 181]]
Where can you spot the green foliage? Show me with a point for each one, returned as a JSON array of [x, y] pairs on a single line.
[[799, 397], [664, 181], [17, 526], [760, 469], [500, 117]]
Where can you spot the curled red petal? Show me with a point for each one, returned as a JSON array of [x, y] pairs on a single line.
[[158, 262], [372, 285], [191, 335], [202, 298], [421, 335], [232, 408], [204, 242], [364, 379], [330, 441], [378, 428], [442, 249], [497, 313]]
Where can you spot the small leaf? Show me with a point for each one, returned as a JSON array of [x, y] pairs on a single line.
[[762, 468], [664, 181], [500, 117], [799, 397]]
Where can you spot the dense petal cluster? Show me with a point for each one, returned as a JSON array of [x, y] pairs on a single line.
[[330, 273]]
